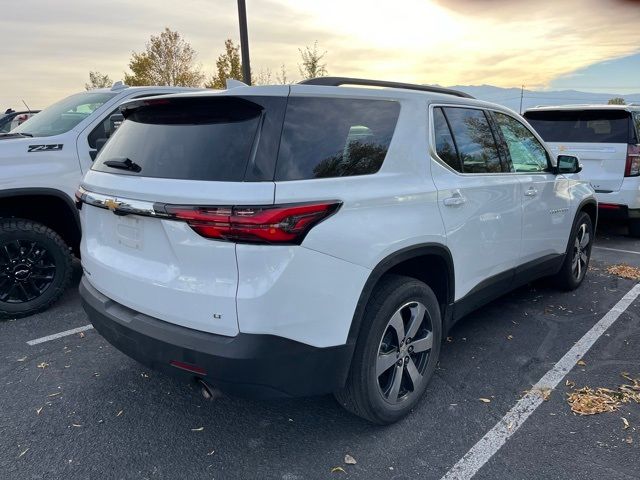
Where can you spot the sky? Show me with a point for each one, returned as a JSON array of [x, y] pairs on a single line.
[[49, 47]]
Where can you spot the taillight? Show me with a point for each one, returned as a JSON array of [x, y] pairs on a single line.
[[632, 168], [265, 224]]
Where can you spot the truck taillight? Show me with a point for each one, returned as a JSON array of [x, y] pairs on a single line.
[[632, 168], [277, 224]]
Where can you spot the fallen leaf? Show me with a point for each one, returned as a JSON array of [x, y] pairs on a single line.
[[509, 337], [54, 394], [211, 453], [629, 440], [349, 460], [22, 359], [38, 410], [43, 365], [625, 422], [582, 363], [337, 469], [23, 453], [76, 424], [485, 400], [119, 413], [449, 339], [81, 334], [570, 384], [199, 429], [624, 271]]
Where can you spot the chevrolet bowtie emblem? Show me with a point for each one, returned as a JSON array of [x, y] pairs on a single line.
[[112, 204]]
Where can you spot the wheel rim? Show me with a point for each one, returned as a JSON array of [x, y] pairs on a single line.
[[581, 252], [403, 353], [27, 269]]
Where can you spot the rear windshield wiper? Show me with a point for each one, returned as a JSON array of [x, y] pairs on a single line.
[[123, 164]]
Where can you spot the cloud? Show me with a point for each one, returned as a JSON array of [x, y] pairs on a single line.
[[505, 42]]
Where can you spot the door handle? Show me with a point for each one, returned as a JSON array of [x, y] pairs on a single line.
[[532, 192], [455, 200]]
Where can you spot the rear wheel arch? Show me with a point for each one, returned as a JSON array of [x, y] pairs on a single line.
[[50, 207], [589, 206], [430, 263]]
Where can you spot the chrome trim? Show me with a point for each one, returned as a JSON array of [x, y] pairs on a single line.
[[119, 205]]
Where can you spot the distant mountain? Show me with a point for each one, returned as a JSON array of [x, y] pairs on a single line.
[[510, 97]]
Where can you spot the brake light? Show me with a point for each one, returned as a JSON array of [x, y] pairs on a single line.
[[287, 224], [632, 168]]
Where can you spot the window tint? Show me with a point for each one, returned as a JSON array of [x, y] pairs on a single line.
[[584, 126], [335, 137], [474, 139], [636, 121], [199, 138], [526, 152], [445, 146]]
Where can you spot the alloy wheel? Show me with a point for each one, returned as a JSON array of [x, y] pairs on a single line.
[[403, 353], [27, 269], [581, 252]]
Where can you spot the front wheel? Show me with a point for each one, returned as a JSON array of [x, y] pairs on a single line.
[[35, 267], [576, 262], [396, 353]]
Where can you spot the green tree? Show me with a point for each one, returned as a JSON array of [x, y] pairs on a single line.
[[312, 65], [98, 80], [168, 59], [228, 65], [616, 101]]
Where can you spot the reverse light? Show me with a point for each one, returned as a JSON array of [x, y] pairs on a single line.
[[632, 167], [278, 224]]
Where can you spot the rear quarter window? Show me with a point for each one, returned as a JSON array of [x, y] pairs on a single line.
[[582, 126], [335, 137]]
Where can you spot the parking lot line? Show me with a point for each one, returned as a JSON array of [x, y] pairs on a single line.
[[59, 335], [616, 250], [489, 445]]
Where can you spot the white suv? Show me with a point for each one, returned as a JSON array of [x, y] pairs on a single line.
[[606, 138], [306, 239]]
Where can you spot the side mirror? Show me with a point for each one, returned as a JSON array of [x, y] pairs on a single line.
[[568, 164]]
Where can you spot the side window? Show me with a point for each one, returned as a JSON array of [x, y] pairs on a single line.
[[474, 139], [335, 137], [102, 130], [445, 146], [526, 152]]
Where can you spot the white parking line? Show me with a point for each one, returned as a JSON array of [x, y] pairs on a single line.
[[59, 335], [489, 445], [616, 250]]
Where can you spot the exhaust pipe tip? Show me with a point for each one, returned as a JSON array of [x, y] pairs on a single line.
[[207, 391]]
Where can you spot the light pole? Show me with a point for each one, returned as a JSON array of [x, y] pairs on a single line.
[[244, 42]]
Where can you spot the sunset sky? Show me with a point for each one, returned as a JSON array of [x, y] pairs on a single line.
[[49, 47]]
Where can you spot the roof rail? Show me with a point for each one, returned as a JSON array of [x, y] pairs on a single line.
[[337, 81]]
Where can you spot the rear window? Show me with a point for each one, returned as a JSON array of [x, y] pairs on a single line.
[[335, 137], [583, 126], [200, 138]]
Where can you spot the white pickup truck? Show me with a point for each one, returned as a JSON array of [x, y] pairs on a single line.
[[42, 162]]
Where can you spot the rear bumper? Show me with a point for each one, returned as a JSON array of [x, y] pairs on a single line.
[[247, 364]]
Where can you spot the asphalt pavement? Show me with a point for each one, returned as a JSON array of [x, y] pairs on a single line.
[[74, 407]]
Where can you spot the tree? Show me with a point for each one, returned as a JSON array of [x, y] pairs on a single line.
[[616, 101], [98, 80], [311, 62], [167, 60], [281, 77], [228, 65], [263, 77]]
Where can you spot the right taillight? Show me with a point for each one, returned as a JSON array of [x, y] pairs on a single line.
[[632, 168], [274, 224]]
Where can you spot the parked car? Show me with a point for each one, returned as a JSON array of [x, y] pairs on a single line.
[[12, 119], [42, 163], [606, 138], [307, 239]]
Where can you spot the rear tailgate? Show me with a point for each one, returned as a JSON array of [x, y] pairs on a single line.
[[180, 154], [598, 137]]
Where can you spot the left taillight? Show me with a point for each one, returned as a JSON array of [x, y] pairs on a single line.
[[273, 224]]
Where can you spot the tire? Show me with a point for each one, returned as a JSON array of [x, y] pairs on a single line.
[[634, 227], [35, 267], [383, 399], [572, 274]]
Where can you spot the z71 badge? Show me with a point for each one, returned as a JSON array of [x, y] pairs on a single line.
[[45, 148]]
